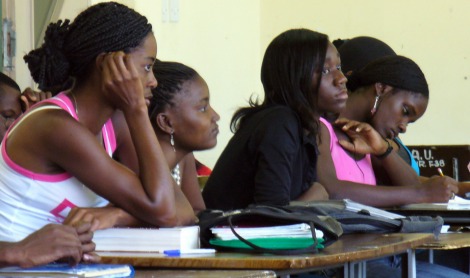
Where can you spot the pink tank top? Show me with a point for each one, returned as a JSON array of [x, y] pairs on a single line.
[[347, 168], [29, 200]]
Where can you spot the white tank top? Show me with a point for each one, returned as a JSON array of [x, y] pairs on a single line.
[[29, 200]]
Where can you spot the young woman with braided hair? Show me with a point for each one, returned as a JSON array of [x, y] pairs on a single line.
[[62, 157], [183, 121], [357, 53], [387, 94]]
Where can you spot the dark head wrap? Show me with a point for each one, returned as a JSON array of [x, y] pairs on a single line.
[[359, 51], [396, 71]]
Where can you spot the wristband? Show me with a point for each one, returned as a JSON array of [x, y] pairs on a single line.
[[387, 152]]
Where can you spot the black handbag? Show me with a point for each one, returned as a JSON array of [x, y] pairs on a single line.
[[261, 215], [363, 222]]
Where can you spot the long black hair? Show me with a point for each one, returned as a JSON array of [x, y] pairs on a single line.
[[69, 49], [291, 74]]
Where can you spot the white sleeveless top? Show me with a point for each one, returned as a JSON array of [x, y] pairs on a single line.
[[29, 200]]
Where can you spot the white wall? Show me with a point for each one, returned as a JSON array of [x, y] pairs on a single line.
[[432, 33], [225, 39]]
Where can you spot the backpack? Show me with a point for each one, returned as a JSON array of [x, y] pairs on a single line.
[[358, 218], [267, 216]]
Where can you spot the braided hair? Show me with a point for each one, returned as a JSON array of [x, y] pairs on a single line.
[[396, 71], [170, 76], [70, 48]]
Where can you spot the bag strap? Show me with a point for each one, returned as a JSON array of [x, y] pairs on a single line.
[[313, 248]]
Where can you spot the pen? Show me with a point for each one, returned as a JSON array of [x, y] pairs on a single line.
[[440, 172], [178, 252]]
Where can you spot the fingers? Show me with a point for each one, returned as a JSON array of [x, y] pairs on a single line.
[[30, 97], [83, 227], [350, 125], [83, 220], [450, 187], [24, 103], [347, 145], [91, 257]]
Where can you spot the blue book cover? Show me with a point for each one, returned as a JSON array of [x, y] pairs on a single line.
[[64, 270]]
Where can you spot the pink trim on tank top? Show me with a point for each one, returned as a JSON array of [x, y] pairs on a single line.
[[64, 102], [30, 174]]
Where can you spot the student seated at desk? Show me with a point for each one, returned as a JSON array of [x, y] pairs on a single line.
[[345, 165], [356, 53], [272, 157], [390, 93], [62, 156], [184, 122]]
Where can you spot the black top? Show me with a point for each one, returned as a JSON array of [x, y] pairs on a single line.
[[268, 161]]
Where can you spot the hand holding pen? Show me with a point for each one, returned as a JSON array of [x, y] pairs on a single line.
[[439, 170]]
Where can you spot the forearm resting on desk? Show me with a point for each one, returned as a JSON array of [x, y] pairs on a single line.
[[314, 193]]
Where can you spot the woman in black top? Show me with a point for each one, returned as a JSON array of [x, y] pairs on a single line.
[[272, 156]]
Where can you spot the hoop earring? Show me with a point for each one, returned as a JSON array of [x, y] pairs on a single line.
[[374, 108], [172, 140]]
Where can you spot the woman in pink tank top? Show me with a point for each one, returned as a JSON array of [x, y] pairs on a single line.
[[109, 51]]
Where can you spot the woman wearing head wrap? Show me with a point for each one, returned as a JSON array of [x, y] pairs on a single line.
[[387, 94], [356, 53]]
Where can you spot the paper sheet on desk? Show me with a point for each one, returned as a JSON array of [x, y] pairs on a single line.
[[456, 203]]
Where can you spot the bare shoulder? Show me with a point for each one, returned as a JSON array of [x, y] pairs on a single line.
[[44, 126], [324, 138], [47, 134]]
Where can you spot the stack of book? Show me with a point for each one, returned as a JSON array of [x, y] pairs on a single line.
[[278, 237], [147, 240]]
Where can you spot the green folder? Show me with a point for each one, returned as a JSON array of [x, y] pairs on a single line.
[[273, 243]]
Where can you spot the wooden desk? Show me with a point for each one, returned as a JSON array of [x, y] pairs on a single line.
[[454, 215], [139, 273], [448, 241], [348, 249]]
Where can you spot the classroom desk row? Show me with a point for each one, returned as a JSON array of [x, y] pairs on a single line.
[[348, 253]]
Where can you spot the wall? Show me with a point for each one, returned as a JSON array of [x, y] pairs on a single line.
[[433, 34], [224, 40]]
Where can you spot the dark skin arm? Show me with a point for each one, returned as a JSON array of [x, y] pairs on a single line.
[[316, 192], [464, 187], [60, 143], [366, 140], [51, 243], [115, 217], [189, 183], [439, 190]]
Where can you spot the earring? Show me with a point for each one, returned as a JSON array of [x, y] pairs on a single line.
[[172, 140], [374, 109]]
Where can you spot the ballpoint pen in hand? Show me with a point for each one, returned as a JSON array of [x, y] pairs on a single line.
[[442, 174]]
